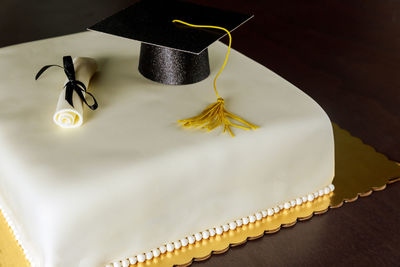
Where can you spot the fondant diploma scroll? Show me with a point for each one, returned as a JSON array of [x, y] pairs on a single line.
[[69, 110]]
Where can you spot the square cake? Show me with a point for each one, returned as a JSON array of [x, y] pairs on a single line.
[[130, 184]]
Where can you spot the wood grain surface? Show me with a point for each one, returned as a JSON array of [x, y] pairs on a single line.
[[345, 54]]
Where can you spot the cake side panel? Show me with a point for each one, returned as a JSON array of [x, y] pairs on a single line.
[[177, 196]]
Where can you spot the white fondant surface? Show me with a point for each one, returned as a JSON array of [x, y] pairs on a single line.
[[130, 179]]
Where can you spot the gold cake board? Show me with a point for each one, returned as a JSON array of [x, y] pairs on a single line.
[[360, 170]]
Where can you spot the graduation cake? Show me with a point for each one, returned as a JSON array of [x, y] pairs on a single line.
[[128, 184]]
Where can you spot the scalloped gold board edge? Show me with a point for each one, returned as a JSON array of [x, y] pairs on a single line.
[[360, 170]]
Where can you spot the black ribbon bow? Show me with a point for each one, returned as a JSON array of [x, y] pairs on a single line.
[[72, 84]]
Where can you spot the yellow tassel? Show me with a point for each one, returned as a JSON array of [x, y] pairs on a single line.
[[215, 115]]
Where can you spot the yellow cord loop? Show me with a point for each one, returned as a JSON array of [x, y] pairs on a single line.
[[215, 115]]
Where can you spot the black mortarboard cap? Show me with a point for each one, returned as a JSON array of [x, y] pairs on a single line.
[[171, 53]]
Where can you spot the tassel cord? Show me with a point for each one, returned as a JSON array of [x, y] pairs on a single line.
[[229, 46], [215, 114]]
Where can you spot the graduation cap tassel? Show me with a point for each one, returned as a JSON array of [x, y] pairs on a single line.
[[216, 115]]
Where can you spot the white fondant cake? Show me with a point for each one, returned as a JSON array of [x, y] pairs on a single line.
[[129, 179]]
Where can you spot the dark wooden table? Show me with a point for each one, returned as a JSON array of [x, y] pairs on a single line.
[[343, 53]]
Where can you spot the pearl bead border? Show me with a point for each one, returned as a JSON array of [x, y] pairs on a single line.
[[17, 235], [219, 230]]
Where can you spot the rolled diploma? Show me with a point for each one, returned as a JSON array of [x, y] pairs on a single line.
[[67, 116]]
